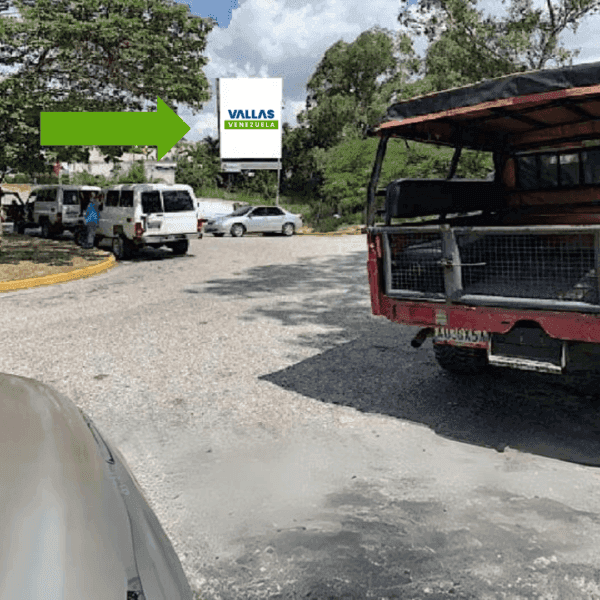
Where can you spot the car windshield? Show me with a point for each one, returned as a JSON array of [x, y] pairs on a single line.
[[177, 201], [240, 211]]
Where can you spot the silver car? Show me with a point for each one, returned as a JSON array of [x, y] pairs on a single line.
[[75, 523], [255, 219]]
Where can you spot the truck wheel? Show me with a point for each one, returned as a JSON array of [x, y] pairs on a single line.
[[46, 230], [237, 230], [20, 228], [80, 237], [460, 359], [180, 248], [584, 383], [121, 248]]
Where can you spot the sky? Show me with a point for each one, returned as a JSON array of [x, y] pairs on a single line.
[[287, 38]]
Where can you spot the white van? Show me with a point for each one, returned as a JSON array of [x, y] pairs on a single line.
[[57, 208], [132, 216]]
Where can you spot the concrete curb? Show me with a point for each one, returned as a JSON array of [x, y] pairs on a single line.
[[21, 284]]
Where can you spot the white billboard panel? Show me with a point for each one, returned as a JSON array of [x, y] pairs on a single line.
[[250, 117]]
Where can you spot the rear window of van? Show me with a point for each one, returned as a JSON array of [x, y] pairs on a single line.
[[70, 197], [48, 195], [126, 198], [112, 198], [178, 201], [151, 202]]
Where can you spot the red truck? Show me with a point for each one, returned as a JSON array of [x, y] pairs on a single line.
[[505, 272]]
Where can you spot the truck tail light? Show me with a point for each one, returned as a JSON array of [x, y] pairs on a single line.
[[201, 224], [59, 217], [139, 230]]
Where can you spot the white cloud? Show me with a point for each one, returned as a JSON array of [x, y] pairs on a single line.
[[206, 124], [292, 108]]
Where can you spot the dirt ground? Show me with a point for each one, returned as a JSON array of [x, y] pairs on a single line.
[[26, 256]]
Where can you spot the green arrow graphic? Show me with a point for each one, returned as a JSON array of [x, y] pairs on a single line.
[[162, 128]]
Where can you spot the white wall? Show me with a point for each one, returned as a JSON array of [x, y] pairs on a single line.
[[163, 170]]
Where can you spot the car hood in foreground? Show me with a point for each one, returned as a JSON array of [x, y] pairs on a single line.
[[74, 521]]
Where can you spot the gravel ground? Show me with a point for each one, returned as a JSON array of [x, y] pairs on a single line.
[[294, 446], [164, 353]]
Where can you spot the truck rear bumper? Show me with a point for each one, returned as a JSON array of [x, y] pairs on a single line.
[[560, 325], [148, 240]]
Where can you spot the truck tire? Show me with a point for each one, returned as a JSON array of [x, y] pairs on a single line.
[[584, 383], [80, 237], [46, 230], [180, 248], [460, 359], [121, 248]]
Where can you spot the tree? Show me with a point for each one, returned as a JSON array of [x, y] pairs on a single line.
[[199, 166], [298, 161], [262, 183], [348, 92], [466, 46], [345, 92], [94, 55]]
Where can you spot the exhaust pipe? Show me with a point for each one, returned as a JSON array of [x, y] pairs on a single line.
[[420, 338]]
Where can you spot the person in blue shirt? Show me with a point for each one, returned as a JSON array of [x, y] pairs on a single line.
[[91, 223]]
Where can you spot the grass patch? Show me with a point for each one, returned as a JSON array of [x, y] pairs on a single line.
[[24, 256]]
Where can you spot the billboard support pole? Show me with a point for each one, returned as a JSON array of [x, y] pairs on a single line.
[[278, 180]]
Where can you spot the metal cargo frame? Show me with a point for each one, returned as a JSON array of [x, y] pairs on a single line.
[[536, 267]]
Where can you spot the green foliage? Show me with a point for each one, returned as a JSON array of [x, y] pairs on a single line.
[[346, 93], [347, 170], [299, 162], [466, 46], [263, 184], [88, 179], [135, 174], [18, 178], [200, 166], [110, 57]]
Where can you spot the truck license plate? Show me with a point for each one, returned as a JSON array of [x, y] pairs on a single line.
[[445, 334]]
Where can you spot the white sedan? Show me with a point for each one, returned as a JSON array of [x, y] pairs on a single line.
[[255, 219]]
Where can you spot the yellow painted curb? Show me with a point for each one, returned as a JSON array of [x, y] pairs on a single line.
[[21, 284]]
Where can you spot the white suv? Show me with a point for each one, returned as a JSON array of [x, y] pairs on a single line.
[[132, 216], [59, 208]]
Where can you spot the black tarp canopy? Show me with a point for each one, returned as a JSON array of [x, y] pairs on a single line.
[[515, 112]]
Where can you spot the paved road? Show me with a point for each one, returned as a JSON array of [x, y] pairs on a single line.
[[294, 446]]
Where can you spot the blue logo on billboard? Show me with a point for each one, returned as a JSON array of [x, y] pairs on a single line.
[[246, 119]]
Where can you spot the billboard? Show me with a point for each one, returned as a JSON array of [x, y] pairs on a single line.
[[249, 110]]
